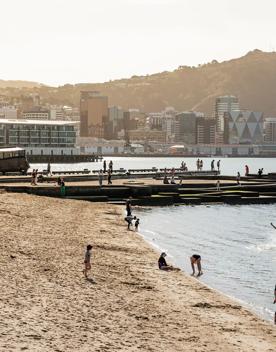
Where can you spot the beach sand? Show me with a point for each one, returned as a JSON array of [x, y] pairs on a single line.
[[47, 305]]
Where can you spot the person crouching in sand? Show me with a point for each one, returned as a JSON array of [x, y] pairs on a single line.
[[87, 260], [162, 264], [196, 259]]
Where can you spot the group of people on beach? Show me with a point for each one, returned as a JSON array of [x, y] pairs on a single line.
[[107, 171], [130, 219]]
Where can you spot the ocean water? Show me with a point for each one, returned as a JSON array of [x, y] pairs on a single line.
[[229, 166], [237, 245]]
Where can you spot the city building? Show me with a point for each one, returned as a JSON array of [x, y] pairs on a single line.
[[270, 129], [185, 127], [8, 112], [116, 121], [147, 135], [56, 113], [40, 137], [205, 130], [225, 104], [36, 114], [93, 114], [244, 127]]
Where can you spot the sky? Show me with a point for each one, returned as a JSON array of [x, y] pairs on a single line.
[[77, 41]]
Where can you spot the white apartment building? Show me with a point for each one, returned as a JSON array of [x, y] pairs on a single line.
[[8, 112], [36, 115], [226, 103]]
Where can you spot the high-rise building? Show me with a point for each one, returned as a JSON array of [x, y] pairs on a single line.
[[93, 114], [185, 127], [270, 129], [226, 103], [205, 130], [244, 127]]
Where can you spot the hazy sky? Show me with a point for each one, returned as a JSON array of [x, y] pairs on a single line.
[[70, 41]]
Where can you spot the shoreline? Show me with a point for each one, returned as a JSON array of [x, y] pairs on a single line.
[[133, 305], [158, 249]]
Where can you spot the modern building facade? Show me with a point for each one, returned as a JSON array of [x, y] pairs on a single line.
[[244, 127], [185, 127], [43, 137], [225, 104], [205, 130], [270, 130], [8, 112], [93, 114]]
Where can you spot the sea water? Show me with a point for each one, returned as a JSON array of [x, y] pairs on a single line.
[[237, 245], [229, 166]]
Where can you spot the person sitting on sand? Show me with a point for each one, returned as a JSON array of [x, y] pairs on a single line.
[[129, 219], [137, 222], [162, 264], [87, 260], [196, 259]]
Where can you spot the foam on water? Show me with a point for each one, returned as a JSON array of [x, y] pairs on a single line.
[[237, 245]]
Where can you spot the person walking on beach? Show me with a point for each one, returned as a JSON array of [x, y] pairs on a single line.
[[104, 166], [196, 259], [110, 166], [198, 164], [87, 260], [218, 165], [109, 182], [101, 178], [246, 170], [162, 264]]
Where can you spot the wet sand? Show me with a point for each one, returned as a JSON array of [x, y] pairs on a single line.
[[47, 305]]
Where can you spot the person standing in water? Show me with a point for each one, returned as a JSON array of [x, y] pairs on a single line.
[[196, 259]]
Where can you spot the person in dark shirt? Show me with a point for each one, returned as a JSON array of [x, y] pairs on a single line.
[[196, 259], [162, 264]]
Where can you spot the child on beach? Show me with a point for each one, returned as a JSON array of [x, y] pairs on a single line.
[[87, 260], [129, 219], [137, 222], [196, 259]]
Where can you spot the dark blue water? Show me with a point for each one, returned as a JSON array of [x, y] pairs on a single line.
[[237, 245]]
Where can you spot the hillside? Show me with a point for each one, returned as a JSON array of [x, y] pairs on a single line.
[[18, 84], [252, 78]]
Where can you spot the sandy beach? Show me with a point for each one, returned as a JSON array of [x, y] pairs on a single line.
[[47, 305]]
